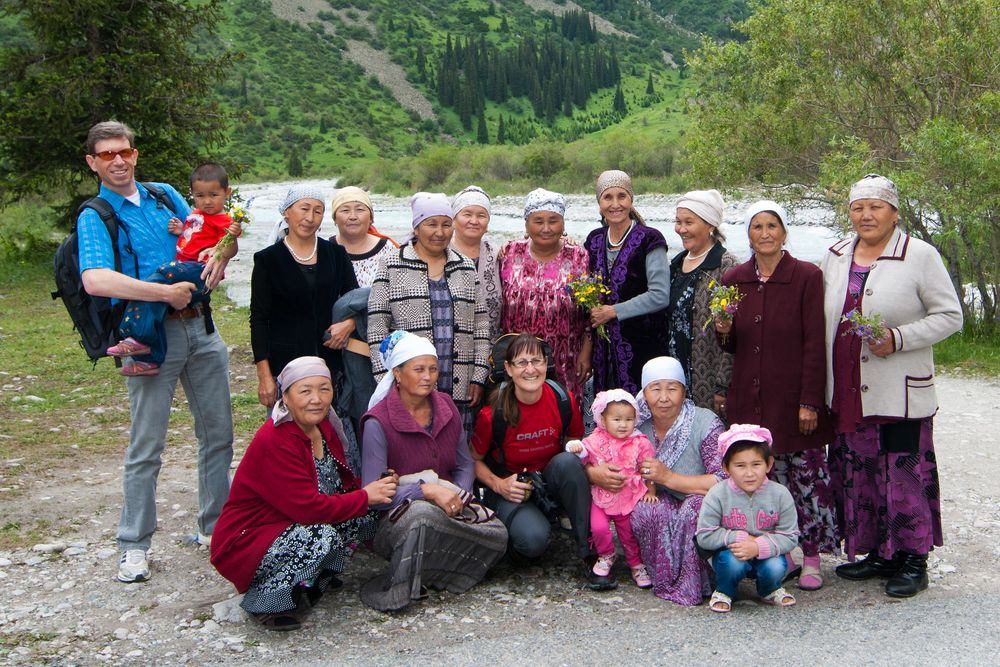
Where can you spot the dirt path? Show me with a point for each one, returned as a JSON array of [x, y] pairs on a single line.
[[59, 603]]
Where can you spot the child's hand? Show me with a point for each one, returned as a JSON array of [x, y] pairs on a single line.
[[650, 497], [745, 550], [575, 446], [235, 230], [175, 226]]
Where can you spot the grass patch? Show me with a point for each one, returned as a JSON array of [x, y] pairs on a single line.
[[57, 409], [975, 350]]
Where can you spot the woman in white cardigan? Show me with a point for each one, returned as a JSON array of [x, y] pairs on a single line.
[[881, 391]]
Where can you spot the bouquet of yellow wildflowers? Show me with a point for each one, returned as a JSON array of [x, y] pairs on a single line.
[[238, 209], [588, 291], [723, 302]]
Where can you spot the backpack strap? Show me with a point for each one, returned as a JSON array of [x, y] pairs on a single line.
[[494, 455], [160, 195]]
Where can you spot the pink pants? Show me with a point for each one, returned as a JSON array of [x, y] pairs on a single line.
[[600, 531]]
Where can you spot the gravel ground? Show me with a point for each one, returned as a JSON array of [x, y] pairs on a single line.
[[60, 604]]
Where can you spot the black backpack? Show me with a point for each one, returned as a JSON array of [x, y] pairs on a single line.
[[94, 317]]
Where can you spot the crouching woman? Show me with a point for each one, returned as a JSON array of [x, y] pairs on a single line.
[[296, 511]]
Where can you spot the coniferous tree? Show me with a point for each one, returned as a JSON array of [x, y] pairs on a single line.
[[482, 134], [294, 164], [501, 131], [649, 84], [93, 61], [618, 106]]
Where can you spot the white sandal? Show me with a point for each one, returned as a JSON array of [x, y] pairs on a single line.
[[780, 598], [718, 597]]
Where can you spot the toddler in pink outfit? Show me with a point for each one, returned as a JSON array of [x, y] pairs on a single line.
[[616, 441]]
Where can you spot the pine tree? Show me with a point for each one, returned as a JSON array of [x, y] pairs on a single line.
[[82, 63], [649, 84], [482, 134], [618, 106], [501, 131], [504, 26], [294, 164], [322, 124]]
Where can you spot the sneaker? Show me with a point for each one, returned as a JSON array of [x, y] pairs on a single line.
[[128, 348], [133, 567], [641, 577], [602, 567], [138, 368]]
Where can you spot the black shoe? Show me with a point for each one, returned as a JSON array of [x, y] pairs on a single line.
[[597, 582], [869, 567], [910, 579]]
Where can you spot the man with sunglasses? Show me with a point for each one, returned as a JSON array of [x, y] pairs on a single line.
[[196, 354]]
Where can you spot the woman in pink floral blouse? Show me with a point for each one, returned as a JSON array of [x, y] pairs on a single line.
[[534, 275]]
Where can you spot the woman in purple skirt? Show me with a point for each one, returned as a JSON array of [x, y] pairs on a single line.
[[881, 389]]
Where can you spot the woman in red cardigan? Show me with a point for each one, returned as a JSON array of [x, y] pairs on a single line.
[[779, 374], [296, 512]]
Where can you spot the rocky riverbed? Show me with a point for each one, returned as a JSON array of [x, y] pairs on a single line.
[[60, 602]]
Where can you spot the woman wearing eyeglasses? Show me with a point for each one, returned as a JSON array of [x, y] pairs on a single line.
[[527, 444]]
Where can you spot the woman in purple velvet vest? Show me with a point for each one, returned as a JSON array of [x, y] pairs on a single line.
[[434, 533], [631, 259]]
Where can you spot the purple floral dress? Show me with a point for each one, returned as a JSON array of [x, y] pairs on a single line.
[[665, 529]]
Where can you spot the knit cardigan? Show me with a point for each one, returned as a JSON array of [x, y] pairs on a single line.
[[912, 291], [400, 300], [728, 515]]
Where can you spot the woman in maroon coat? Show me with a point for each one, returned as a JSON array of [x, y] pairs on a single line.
[[296, 512], [779, 374]]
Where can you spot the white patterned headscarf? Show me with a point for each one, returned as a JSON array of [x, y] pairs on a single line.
[[471, 196], [874, 186], [544, 200], [396, 350]]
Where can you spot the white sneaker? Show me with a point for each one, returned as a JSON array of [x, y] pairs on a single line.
[[133, 566]]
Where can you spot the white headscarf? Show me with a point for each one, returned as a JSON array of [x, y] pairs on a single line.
[[470, 196], [706, 204], [656, 369], [397, 349]]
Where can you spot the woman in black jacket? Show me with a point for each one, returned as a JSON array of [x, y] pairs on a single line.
[[294, 285]]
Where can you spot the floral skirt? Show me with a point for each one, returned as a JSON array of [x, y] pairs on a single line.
[[665, 532], [806, 475], [888, 498], [304, 556]]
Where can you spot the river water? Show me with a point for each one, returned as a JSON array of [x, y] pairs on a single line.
[[809, 235]]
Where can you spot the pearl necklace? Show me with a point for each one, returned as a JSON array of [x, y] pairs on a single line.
[[612, 246], [303, 260], [693, 257]]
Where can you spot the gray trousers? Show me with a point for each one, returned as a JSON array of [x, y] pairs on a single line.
[[528, 528], [201, 362]]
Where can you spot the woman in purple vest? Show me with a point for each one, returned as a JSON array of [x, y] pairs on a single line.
[[433, 533], [631, 259]]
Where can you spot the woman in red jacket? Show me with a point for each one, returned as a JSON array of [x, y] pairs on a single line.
[[779, 374], [296, 512]]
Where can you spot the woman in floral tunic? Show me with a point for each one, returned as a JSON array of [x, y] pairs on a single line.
[[535, 273]]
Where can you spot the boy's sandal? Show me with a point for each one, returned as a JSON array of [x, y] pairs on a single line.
[[720, 602], [278, 622], [811, 579], [780, 597]]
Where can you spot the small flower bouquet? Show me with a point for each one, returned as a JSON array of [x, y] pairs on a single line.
[[238, 209], [588, 291], [868, 328], [723, 302]]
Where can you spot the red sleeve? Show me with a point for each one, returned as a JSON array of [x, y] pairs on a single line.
[[575, 424], [284, 479], [482, 433]]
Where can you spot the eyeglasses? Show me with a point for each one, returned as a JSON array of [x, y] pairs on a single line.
[[108, 156], [521, 364]]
